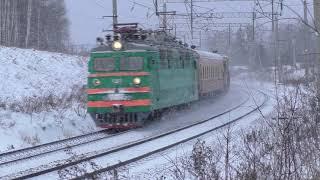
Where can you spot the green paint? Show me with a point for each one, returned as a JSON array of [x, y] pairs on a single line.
[[173, 79]]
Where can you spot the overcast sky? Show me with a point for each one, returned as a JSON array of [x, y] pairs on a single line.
[[86, 15]]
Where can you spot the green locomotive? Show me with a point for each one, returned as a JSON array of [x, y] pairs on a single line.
[[133, 77]]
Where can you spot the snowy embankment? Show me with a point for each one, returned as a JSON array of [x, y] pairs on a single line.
[[41, 97]]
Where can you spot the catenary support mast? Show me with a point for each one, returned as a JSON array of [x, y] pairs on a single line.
[[115, 12]]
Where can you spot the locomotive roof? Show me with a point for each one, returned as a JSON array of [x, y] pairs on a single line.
[[209, 55], [148, 41]]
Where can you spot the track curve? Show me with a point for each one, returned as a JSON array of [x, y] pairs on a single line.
[[41, 171]]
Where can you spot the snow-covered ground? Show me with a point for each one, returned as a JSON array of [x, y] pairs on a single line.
[[198, 111], [42, 100], [161, 165], [40, 97]]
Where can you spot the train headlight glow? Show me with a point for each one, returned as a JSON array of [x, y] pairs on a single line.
[[96, 82], [116, 45], [136, 81]]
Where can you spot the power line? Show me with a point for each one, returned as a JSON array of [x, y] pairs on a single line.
[[204, 1]]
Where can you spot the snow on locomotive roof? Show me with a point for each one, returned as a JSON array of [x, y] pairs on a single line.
[[210, 55]]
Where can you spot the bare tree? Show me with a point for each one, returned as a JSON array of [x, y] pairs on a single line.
[[40, 24]]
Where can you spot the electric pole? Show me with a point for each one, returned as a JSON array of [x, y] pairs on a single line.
[[278, 55], [229, 37], [191, 19], [253, 45], [115, 12], [200, 39], [294, 55], [272, 14], [306, 48], [164, 20], [229, 40], [316, 6], [253, 24]]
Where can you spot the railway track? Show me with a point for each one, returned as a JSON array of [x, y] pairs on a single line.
[[118, 164], [44, 149], [84, 158]]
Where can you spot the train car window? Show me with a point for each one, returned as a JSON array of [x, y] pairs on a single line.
[[202, 72], [213, 76], [206, 72], [131, 63], [217, 72], [212, 71], [104, 64]]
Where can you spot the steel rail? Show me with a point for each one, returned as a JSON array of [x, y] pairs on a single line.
[[43, 149], [26, 174], [123, 163]]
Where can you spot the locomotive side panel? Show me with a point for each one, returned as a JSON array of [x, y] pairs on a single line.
[[177, 79]]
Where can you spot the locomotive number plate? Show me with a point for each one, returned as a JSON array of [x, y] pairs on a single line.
[[117, 81], [117, 97]]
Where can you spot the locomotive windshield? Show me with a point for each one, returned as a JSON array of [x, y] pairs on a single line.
[[104, 64], [131, 63]]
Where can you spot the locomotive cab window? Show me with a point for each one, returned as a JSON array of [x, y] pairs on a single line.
[[131, 63], [104, 64]]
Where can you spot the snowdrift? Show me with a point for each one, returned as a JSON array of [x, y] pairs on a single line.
[[25, 72], [42, 98]]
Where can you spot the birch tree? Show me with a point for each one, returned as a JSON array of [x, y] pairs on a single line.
[[40, 24]]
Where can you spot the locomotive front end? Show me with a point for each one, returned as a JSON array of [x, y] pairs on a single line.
[[119, 89]]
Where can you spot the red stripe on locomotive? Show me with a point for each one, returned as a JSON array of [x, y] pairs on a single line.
[[132, 103], [119, 74], [121, 90]]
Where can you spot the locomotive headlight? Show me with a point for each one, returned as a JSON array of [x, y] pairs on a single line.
[[116, 45], [96, 82], [136, 81]]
